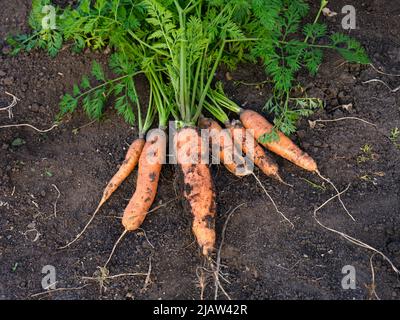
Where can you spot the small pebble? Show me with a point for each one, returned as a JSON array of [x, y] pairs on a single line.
[[130, 296], [8, 81], [2, 73], [35, 107], [32, 225]]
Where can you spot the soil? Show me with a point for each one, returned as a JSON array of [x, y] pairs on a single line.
[[262, 256]]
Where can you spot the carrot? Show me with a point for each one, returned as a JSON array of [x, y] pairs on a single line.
[[283, 147], [199, 190], [150, 164], [253, 150], [129, 164], [229, 154]]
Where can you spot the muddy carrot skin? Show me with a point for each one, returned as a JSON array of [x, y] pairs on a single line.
[[150, 163], [229, 153], [284, 147], [253, 150], [198, 186]]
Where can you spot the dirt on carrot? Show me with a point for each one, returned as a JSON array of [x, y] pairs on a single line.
[[199, 190], [228, 151], [150, 164], [254, 151]]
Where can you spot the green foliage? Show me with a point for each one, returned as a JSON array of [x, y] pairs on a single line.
[[179, 44], [394, 137], [48, 39], [284, 54], [293, 110], [350, 49], [94, 97]]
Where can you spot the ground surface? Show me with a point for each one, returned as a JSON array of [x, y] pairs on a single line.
[[264, 258]]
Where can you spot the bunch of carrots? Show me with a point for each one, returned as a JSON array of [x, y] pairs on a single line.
[[149, 156], [178, 46]]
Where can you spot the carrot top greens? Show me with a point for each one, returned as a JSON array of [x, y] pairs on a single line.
[[178, 46]]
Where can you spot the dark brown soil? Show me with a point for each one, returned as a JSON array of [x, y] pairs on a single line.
[[263, 257]]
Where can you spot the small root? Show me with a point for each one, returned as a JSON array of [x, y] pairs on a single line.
[[102, 276], [11, 105], [314, 122], [84, 229], [349, 238], [272, 200], [115, 247], [384, 83], [372, 286], [147, 281], [217, 282], [202, 284], [384, 73], [145, 236], [216, 267], [279, 178], [337, 193], [57, 290], [29, 126], [55, 202]]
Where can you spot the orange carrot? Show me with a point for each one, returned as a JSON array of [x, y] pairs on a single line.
[[283, 147], [198, 187], [253, 150], [229, 153], [150, 164], [129, 164]]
